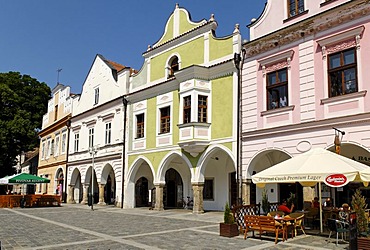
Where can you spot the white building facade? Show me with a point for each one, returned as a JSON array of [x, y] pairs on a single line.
[[95, 155]]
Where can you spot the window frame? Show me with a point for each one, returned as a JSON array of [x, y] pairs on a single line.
[[342, 68], [140, 126], [108, 133], [64, 143], [276, 85], [91, 137], [76, 142], [297, 9], [56, 146], [96, 95], [165, 120], [186, 109], [202, 109], [207, 182]]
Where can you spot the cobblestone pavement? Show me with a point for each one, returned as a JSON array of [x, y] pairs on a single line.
[[77, 227]]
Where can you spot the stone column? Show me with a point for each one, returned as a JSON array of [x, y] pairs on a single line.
[[198, 198], [101, 194], [246, 191], [159, 197], [85, 193], [70, 196]]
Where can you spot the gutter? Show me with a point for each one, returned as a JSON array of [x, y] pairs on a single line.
[[124, 101]]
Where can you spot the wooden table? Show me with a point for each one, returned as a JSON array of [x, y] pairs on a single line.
[[285, 221]]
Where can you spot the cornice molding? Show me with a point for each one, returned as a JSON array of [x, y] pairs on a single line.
[[309, 27]]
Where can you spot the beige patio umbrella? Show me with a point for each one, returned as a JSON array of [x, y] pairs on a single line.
[[315, 166], [365, 176]]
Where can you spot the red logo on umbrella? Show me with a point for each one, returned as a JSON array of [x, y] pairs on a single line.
[[336, 180]]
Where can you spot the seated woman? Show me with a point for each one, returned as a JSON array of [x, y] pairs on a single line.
[[344, 212], [328, 203], [283, 207]]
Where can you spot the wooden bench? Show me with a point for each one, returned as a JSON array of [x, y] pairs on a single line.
[[240, 211], [263, 224]]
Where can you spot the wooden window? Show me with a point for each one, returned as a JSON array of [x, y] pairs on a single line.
[[174, 67], [208, 189], [91, 137], [342, 73], [202, 108], [277, 89], [108, 133], [140, 126], [165, 125], [295, 7], [187, 109]]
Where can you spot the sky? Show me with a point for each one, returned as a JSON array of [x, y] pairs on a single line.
[[39, 37]]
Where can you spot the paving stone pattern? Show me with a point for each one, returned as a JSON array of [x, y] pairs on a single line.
[[77, 227]]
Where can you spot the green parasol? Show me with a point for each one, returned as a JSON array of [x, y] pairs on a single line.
[[23, 178]]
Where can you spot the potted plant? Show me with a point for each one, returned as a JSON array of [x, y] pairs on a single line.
[[359, 205], [265, 202], [228, 228]]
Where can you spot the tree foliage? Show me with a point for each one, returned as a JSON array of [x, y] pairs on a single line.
[[23, 102]]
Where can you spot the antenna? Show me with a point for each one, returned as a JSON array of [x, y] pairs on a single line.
[[58, 70]]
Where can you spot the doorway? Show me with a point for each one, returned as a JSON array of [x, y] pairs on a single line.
[[142, 192], [173, 190]]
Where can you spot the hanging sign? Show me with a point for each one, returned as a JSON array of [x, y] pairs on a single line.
[[336, 180]]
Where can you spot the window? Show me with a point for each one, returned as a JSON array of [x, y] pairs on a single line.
[[48, 149], [202, 108], [295, 7], [43, 150], [277, 89], [56, 113], [174, 67], [140, 126], [64, 139], [208, 189], [342, 73], [77, 139], [91, 137], [187, 109], [108, 133], [56, 150], [165, 120], [96, 101]]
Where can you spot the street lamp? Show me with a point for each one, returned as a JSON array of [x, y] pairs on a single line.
[[92, 150]]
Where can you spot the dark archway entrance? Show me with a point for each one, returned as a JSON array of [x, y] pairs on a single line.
[[294, 188], [173, 190], [142, 192], [109, 191]]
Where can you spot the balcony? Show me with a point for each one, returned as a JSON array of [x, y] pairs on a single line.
[[194, 137]]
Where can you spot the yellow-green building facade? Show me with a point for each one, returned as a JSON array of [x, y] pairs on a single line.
[[182, 119]]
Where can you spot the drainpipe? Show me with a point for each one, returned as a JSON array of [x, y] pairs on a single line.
[[238, 61], [66, 173], [124, 101]]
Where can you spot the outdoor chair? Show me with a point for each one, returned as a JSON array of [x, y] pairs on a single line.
[[338, 227], [298, 224]]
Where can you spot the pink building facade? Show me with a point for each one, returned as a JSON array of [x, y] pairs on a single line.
[[306, 71]]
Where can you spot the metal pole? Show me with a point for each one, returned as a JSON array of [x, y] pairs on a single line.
[[92, 180]]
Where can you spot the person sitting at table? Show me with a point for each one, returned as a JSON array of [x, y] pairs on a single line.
[[344, 212], [283, 207], [316, 203]]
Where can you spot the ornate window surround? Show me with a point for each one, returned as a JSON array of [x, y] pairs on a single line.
[[274, 63], [336, 43]]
